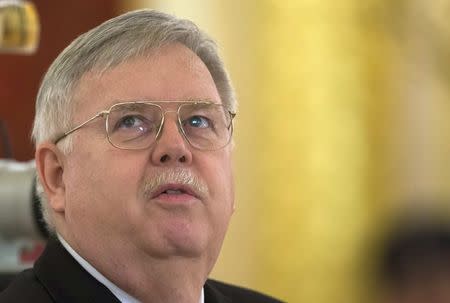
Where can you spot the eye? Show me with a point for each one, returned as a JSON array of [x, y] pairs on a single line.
[[199, 122], [130, 121]]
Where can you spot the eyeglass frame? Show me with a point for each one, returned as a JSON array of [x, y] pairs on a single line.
[[105, 114]]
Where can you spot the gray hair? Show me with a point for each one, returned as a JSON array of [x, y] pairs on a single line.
[[113, 42]]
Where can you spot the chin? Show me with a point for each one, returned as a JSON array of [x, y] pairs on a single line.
[[186, 240], [175, 239]]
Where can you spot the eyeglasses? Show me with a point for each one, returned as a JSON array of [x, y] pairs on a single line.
[[138, 125]]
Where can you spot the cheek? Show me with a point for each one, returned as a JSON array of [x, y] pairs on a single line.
[[221, 184], [101, 188]]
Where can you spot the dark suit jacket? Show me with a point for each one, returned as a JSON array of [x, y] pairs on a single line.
[[58, 277]]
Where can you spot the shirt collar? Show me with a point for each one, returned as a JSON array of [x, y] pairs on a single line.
[[118, 292]]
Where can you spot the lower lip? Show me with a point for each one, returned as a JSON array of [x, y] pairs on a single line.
[[177, 199]]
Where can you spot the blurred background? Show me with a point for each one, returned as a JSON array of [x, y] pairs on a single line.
[[343, 127]]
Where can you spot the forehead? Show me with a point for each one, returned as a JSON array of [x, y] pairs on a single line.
[[172, 72]]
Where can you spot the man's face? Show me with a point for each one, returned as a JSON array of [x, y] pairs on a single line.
[[106, 206]]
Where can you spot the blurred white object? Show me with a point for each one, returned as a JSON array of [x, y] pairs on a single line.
[[18, 204]]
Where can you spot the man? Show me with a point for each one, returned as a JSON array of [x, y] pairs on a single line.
[[133, 129]]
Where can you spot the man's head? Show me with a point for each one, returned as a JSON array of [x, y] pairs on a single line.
[[104, 191]]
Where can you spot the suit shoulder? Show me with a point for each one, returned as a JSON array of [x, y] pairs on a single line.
[[241, 294], [25, 287]]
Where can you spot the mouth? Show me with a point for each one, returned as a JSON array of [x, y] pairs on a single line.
[[175, 193]]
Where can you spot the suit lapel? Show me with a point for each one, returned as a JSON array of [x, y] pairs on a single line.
[[66, 280], [213, 295]]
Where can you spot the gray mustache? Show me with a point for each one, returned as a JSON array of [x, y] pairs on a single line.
[[176, 176]]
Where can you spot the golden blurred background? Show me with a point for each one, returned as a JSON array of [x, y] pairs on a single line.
[[343, 124]]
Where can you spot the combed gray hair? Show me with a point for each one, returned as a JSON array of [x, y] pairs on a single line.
[[113, 42]]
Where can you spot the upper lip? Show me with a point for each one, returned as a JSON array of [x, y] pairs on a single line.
[[181, 187]]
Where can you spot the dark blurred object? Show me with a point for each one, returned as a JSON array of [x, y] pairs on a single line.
[[5, 279], [414, 260], [19, 27]]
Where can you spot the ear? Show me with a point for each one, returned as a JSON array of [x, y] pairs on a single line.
[[50, 168]]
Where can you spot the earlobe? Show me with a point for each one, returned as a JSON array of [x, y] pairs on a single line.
[[50, 169]]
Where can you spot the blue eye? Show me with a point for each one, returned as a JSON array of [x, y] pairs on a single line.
[[199, 122], [130, 122]]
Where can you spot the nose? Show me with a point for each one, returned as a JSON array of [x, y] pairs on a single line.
[[171, 147]]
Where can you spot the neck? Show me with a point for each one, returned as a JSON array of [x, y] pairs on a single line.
[[149, 279], [158, 281]]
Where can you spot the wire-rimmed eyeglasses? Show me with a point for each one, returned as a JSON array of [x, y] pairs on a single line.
[[137, 125]]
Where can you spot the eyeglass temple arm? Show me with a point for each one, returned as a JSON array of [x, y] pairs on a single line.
[[232, 115], [100, 114]]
